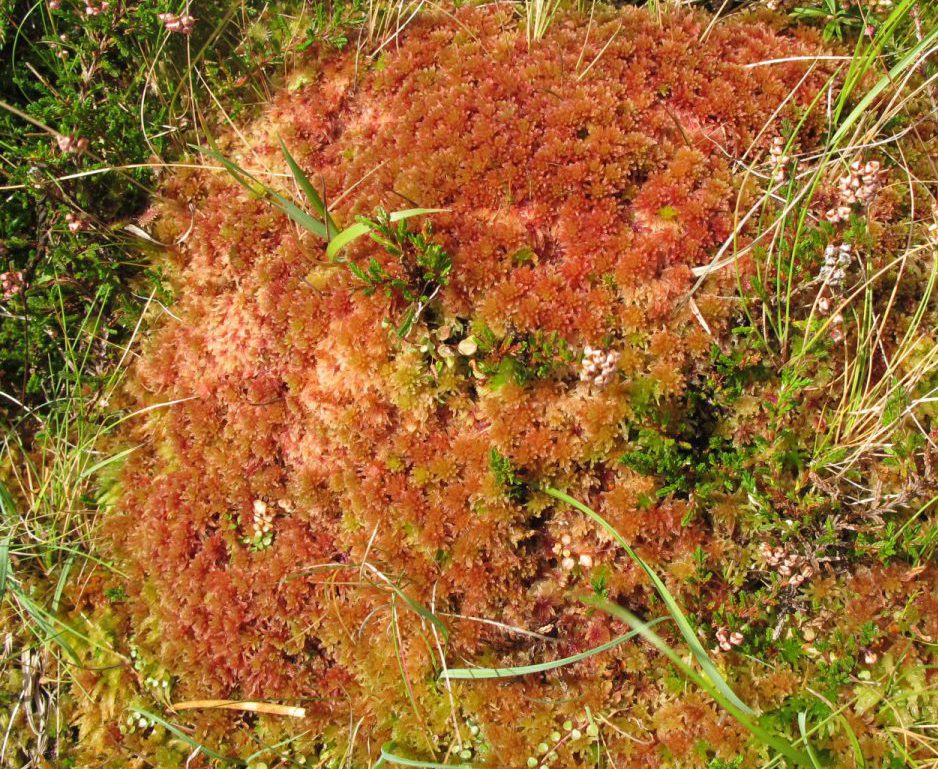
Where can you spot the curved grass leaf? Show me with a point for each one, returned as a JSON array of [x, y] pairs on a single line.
[[412, 603], [803, 728], [177, 732], [355, 231], [314, 198], [773, 741], [252, 183], [7, 516], [4, 563], [46, 622], [697, 649], [540, 667], [387, 757]]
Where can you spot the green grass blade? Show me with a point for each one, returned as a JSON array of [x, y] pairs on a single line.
[[423, 611], [4, 563], [62, 581], [7, 516], [87, 472], [387, 757], [177, 732], [776, 743], [700, 654], [340, 241], [479, 673], [355, 231], [252, 183], [46, 622], [412, 603], [803, 728], [314, 198], [894, 74], [275, 747]]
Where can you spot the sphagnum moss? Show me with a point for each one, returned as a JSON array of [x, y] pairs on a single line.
[[577, 205]]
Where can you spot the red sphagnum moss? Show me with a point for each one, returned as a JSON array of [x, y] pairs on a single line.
[[583, 182]]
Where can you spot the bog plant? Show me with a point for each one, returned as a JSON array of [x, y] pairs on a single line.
[[614, 432], [413, 487]]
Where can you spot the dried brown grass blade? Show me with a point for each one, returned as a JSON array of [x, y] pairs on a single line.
[[254, 707]]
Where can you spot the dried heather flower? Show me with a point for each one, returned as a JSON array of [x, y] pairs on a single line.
[[780, 160], [837, 328], [836, 261], [71, 144], [792, 567], [263, 525], [11, 284], [181, 23], [75, 222], [598, 367], [856, 188]]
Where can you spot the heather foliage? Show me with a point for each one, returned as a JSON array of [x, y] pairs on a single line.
[[535, 423]]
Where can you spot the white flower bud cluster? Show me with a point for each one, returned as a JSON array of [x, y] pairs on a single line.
[[156, 683], [181, 23], [568, 563], [836, 261], [11, 284], [135, 722], [856, 188], [793, 568], [598, 367], [727, 640], [263, 525], [780, 160], [587, 729]]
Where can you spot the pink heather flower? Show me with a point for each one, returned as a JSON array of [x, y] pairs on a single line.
[[11, 284], [727, 640], [182, 24], [75, 223], [71, 144], [856, 188]]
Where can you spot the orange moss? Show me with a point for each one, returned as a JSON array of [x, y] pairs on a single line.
[[616, 181]]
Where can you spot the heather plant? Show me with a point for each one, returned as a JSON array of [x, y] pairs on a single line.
[[611, 445], [93, 98]]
